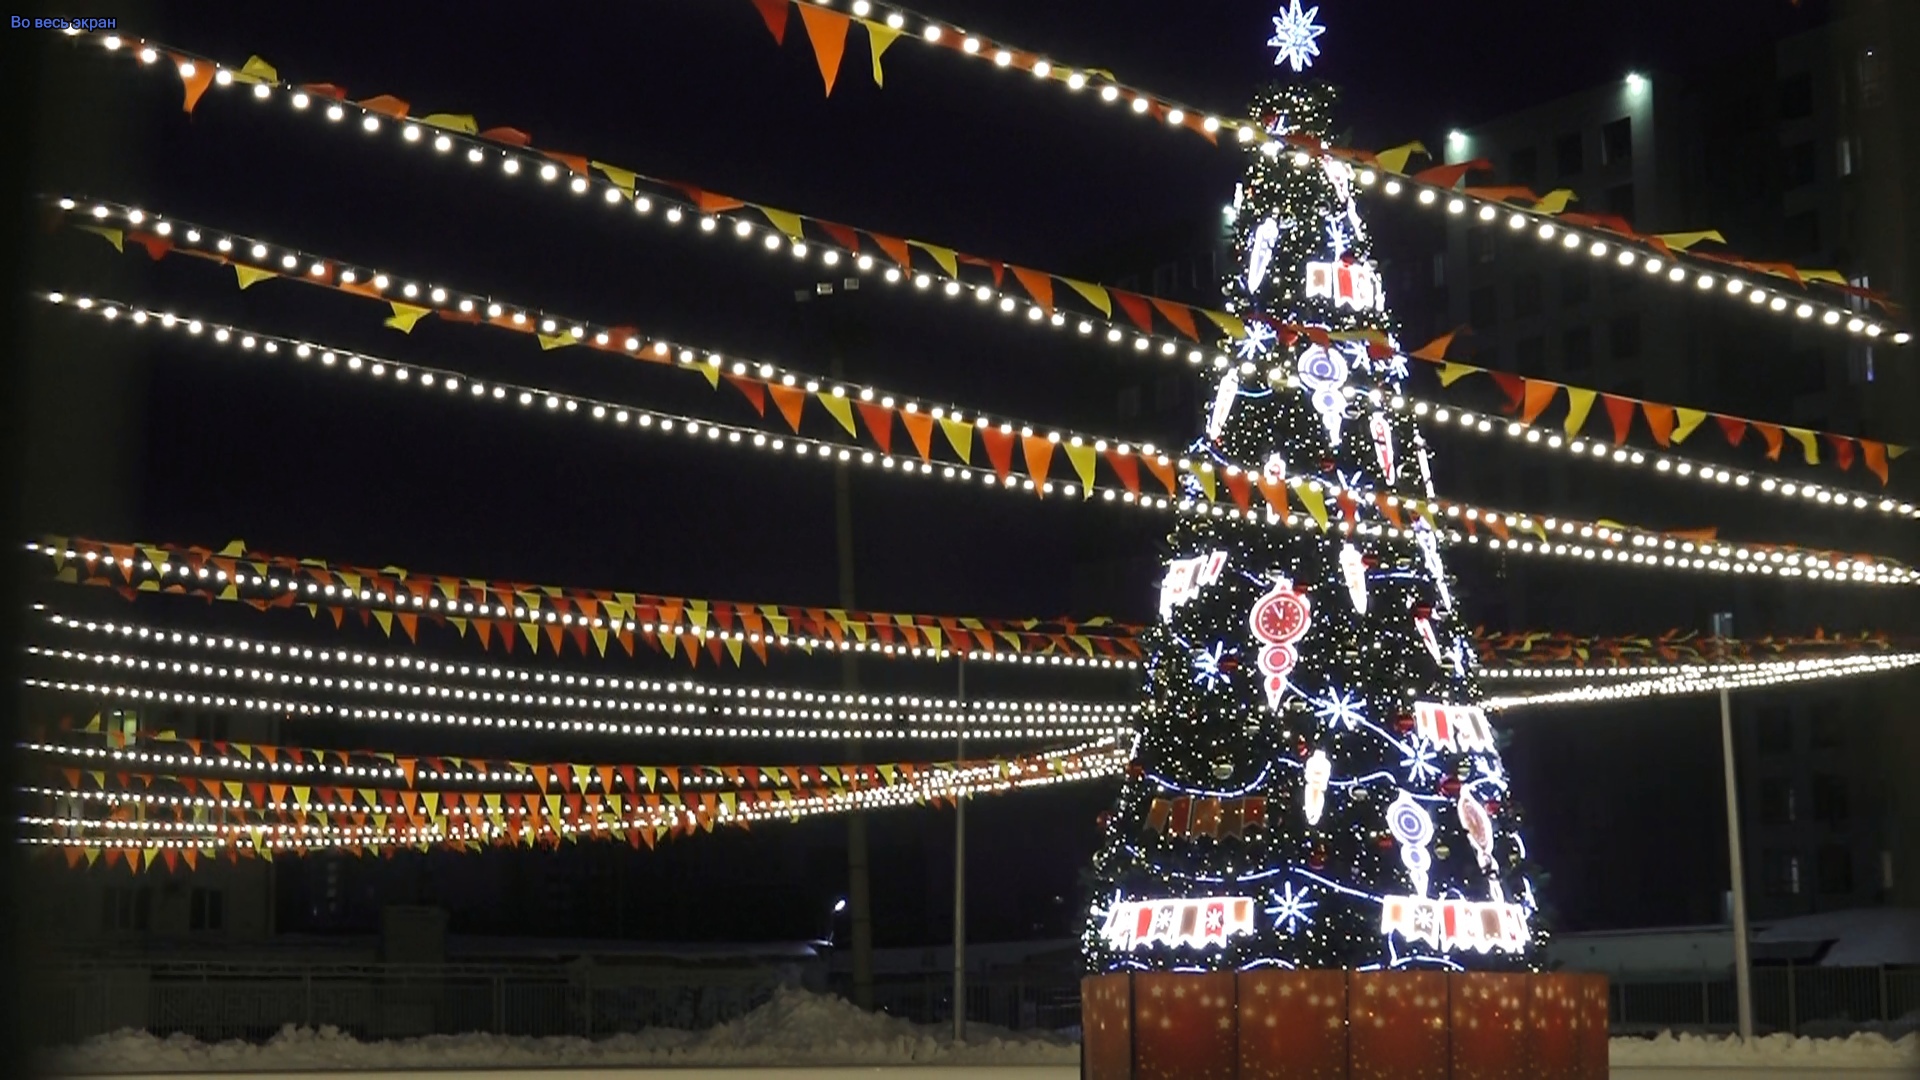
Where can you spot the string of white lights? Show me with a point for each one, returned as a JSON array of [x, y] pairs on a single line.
[[1537, 437], [826, 704], [1680, 553], [1747, 677], [1056, 712], [1625, 670], [513, 160], [1013, 729]]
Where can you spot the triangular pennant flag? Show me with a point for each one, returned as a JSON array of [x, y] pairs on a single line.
[[404, 316], [753, 390], [775, 14], [1038, 450], [785, 220], [1208, 482], [1660, 420], [837, 404], [1038, 284], [879, 419], [999, 446], [1874, 454], [1732, 427], [1435, 350], [1095, 294], [1681, 241], [250, 274], [1162, 470], [256, 70], [1579, 404], [1842, 451], [879, 37], [1229, 325], [1394, 159], [112, 236], [1136, 308], [1082, 458], [1688, 420], [555, 341], [790, 400], [1451, 372], [1774, 438], [946, 257], [1620, 411], [1180, 315], [459, 122], [1511, 385], [1314, 501], [194, 76], [919, 427], [1809, 444], [827, 30], [1537, 395], [1555, 201], [959, 436]]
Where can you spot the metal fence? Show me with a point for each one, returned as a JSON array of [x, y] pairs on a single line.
[[218, 1001], [1792, 998]]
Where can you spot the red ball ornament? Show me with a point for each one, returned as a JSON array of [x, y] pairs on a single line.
[[1450, 787], [1423, 611], [1403, 723], [1229, 664], [1317, 858], [1327, 464], [1135, 771], [1493, 806], [1105, 817], [1385, 840]]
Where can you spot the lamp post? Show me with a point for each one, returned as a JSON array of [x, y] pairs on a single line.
[[839, 906], [1742, 969]]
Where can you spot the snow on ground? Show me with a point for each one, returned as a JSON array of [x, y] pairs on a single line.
[[795, 1028], [798, 1028]]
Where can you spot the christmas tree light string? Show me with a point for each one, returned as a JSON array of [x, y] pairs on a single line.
[[1202, 498]]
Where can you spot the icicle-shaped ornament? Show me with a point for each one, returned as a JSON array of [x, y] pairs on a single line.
[[1353, 566], [1223, 398], [1382, 444], [1260, 252], [1319, 771], [1429, 547]]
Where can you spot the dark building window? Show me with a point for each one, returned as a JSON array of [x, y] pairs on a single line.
[[1780, 872], [1775, 731], [1576, 284], [1870, 72], [1620, 200], [1625, 335], [1830, 799], [1847, 160], [1828, 727], [1523, 165], [1796, 96], [1568, 154], [209, 910], [1576, 348], [1800, 164], [1803, 233], [1616, 141], [1777, 804], [1482, 309], [1530, 354], [126, 909], [1835, 868], [1526, 296], [1480, 245]]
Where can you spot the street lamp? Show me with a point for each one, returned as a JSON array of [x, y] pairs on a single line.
[[1742, 984], [839, 906]]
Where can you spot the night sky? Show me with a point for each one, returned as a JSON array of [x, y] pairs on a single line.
[[142, 440]]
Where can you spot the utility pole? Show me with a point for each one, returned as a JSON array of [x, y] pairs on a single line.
[[960, 877], [1742, 968], [859, 875]]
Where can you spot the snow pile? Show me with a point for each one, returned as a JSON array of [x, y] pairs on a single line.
[[795, 1028], [1854, 1051]]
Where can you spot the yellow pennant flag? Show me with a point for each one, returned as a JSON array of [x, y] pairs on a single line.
[[785, 220], [459, 122], [1096, 295], [944, 256], [1452, 372], [1686, 421], [840, 407], [405, 315], [1230, 326], [1314, 501], [1834, 277], [1082, 458], [385, 619], [624, 179], [710, 368], [250, 274], [1555, 201], [256, 70], [113, 236], [1681, 241], [1394, 159], [555, 341], [1579, 404], [1809, 442], [1208, 482], [960, 435], [879, 36], [734, 645]]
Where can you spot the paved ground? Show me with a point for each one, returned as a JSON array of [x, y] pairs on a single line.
[[1005, 1072]]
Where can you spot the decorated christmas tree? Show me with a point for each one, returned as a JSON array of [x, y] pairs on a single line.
[[1312, 783]]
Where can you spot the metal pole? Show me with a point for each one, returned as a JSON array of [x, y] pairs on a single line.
[[859, 894], [1742, 967], [960, 882]]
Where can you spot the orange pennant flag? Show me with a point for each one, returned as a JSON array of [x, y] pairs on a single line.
[[1660, 420], [1180, 315], [1537, 395], [1435, 350], [1039, 453], [1774, 437], [827, 30], [790, 400], [919, 427], [195, 76], [1875, 456], [1039, 285]]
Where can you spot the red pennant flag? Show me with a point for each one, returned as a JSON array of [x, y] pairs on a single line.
[[509, 135], [1732, 427], [753, 390], [999, 446], [896, 249], [775, 14], [879, 420], [1511, 385], [1446, 176], [843, 235], [1127, 468], [1136, 308], [1620, 411], [1842, 450], [1239, 487]]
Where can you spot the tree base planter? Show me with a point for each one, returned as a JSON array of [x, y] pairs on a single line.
[[1275, 1024]]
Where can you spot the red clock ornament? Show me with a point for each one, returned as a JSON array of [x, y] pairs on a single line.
[[1279, 618]]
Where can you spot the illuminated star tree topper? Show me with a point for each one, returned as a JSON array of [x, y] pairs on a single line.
[[1294, 32]]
